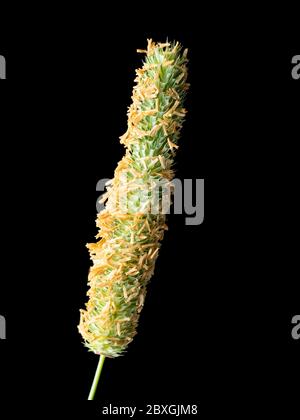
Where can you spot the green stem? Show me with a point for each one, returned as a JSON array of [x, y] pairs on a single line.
[[96, 378]]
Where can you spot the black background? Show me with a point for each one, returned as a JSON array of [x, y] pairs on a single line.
[[216, 326]]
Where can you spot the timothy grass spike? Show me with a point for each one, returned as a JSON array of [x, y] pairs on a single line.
[[128, 242]]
